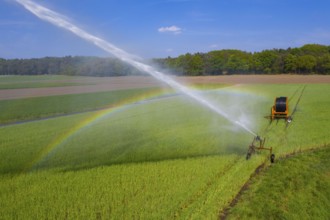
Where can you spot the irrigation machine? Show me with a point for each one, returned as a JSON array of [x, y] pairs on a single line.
[[280, 110]]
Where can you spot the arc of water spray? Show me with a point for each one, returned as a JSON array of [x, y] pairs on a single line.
[[60, 21]]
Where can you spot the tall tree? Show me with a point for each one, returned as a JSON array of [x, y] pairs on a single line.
[[290, 63], [306, 64]]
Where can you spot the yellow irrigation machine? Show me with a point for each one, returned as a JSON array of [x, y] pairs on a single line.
[[280, 110]]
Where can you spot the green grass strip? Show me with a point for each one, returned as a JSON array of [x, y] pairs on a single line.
[[294, 188], [43, 107], [25, 85]]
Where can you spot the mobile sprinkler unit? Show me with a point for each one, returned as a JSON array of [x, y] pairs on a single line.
[[280, 109], [259, 144]]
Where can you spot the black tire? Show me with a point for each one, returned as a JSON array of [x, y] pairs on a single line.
[[272, 158]]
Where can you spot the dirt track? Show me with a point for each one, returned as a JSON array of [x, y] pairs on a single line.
[[101, 84]]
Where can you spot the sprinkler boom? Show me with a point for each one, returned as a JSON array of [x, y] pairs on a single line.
[[254, 147]]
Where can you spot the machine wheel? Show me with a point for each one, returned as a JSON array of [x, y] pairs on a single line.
[[289, 119], [248, 155], [272, 158]]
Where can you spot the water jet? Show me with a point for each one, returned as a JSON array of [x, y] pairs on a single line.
[[60, 21]]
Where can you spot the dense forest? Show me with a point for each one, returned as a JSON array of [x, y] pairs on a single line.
[[78, 65], [308, 59]]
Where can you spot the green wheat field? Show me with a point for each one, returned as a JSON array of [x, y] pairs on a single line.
[[128, 155]]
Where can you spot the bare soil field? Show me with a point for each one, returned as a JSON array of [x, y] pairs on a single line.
[[102, 84]]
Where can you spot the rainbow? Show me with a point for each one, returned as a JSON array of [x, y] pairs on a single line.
[[118, 107], [89, 121]]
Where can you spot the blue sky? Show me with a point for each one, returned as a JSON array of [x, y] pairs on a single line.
[[161, 28]]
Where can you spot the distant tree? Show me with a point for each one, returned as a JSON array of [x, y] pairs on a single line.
[[306, 64], [195, 65], [3, 66], [215, 62], [238, 62], [323, 64], [290, 63], [314, 50], [264, 61]]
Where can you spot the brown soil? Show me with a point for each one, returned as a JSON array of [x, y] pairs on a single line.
[[101, 84]]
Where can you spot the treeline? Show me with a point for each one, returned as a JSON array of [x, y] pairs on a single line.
[[78, 65], [308, 59]]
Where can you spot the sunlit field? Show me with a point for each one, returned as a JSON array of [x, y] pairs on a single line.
[[146, 153]]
